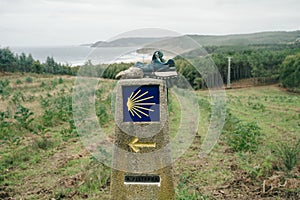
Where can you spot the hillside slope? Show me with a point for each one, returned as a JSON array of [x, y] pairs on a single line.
[[278, 37]]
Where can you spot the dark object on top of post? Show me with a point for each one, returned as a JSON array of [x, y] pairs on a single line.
[[156, 69]]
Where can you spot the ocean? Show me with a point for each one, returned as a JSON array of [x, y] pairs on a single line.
[[78, 55]]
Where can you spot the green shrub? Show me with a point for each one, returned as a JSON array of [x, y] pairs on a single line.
[[62, 105], [45, 102], [29, 79], [48, 118], [60, 80], [288, 154], [113, 69], [4, 125], [256, 168], [7, 132], [56, 110], [4, 87], [18, 82], [69, 132], [102, 114], [23, 116], [43, 84], [54, 83], [4, 116], [230, 122], [4, 82], [245, 137], [17, 97], [257, 106]]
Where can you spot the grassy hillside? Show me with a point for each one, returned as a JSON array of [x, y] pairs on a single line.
[[279, 37], [42, 157], [272, 37], [261, 38]]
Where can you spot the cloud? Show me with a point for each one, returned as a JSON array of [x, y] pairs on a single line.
[[38, 22]]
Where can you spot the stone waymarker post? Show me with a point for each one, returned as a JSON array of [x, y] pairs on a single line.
[[141, 158]]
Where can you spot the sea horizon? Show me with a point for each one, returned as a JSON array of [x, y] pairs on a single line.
[[77, 55]]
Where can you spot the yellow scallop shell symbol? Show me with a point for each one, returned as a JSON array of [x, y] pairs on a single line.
[[136, 104]]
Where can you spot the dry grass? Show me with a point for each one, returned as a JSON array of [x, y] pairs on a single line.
[[67, 171]]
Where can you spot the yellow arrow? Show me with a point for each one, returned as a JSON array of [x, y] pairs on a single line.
[[135, 145]]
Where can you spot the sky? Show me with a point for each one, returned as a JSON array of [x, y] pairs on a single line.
[[73, 22]]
